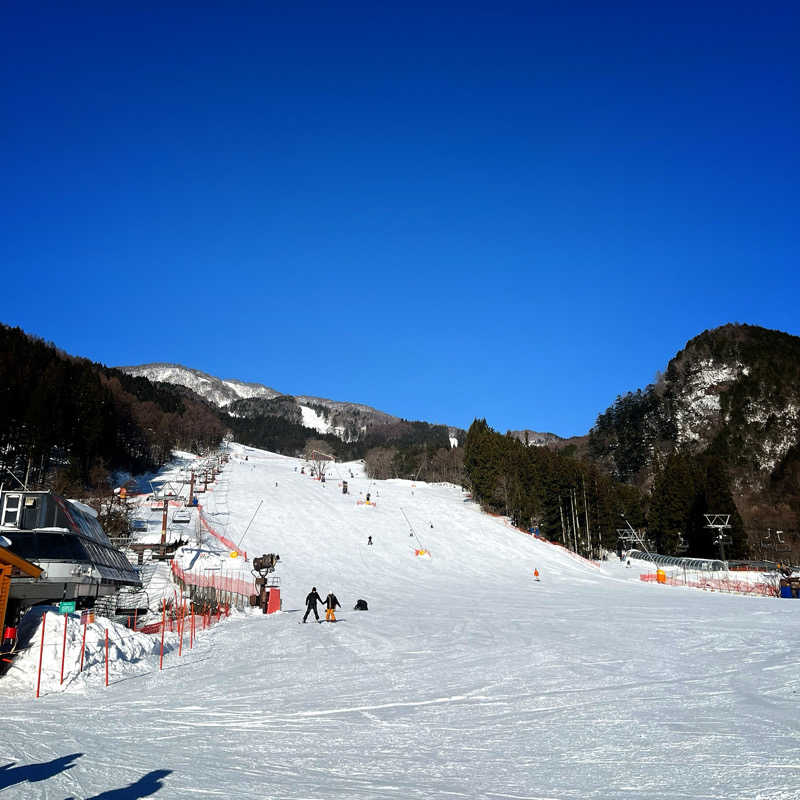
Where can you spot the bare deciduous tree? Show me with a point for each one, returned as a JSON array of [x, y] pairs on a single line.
[[319, 454]]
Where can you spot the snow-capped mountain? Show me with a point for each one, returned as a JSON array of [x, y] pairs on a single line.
[[216, 390], [348, 421]]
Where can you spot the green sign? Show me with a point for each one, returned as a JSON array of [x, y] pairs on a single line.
[[66, 607]]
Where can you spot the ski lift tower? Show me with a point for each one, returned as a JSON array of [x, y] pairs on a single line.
[[719, 523], [627, 538], [631, 535]]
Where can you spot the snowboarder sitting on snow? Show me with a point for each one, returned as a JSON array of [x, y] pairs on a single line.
[[312, 598], [331, 603], [369, 540]]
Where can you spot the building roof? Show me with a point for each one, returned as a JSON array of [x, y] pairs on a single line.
[[7, 557]]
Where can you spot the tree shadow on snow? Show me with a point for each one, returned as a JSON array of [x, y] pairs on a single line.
[[10, 775], [144, 787]]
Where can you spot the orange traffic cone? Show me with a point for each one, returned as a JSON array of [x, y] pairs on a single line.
[[536, 574]]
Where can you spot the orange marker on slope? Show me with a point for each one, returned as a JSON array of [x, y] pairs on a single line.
[[536, 574]]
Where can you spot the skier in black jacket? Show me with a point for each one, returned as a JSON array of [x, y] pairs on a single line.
[[331, 603], [312, 598]]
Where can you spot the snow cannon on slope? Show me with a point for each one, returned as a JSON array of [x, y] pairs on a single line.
[[269, 585]]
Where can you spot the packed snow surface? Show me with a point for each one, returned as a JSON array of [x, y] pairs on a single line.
[[466, 677], [311, 419]]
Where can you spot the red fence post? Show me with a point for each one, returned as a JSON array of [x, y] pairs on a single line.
[[106, 656], [41, 653], [83, 640], [163, 615], [64, 647], [191, 628], [180, 634]]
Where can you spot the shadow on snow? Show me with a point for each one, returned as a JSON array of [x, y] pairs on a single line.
[[33, 773], [146, 785]]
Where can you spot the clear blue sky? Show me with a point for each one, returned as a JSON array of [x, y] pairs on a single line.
[[507, 210]]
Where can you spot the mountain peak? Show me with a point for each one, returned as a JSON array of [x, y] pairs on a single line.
[[216, 390]]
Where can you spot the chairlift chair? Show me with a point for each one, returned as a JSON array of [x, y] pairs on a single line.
[[781, 545]]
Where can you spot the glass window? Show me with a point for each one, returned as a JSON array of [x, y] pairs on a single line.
[[11, 510], [60, 547], [24, 544]]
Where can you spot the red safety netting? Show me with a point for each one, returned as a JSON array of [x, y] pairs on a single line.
[[714, 584], [237, 583], [227, 542]]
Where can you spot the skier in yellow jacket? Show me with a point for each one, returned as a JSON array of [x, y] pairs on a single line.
[[331, 603]]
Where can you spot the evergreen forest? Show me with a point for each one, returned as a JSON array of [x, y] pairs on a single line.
[[66, 422]]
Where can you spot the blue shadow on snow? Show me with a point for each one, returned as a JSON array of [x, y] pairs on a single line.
[[144, 787], [10, 775]]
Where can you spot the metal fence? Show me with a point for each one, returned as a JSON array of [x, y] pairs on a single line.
[[693, 564]]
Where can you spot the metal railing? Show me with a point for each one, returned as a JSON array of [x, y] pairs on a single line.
[[694, 564]]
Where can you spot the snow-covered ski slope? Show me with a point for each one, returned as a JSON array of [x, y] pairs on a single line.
[[466, 678]]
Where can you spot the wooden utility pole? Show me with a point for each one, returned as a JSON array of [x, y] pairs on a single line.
[[164, 522]]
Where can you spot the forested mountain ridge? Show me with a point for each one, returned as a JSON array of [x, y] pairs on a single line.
[[70, 423], [736, 388], [719, 431], [66, 421], [732, 394], [215, 390], [349, 421]]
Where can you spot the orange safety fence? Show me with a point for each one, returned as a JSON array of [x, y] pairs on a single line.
[[227, 542], [715, 584], [234, 584], [185, 621]]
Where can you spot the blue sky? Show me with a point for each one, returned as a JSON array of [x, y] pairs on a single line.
[[515, 211]]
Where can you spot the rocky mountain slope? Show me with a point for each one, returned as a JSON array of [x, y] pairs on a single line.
[[732, 392], [348, 421], [537, 439], [216, 390]]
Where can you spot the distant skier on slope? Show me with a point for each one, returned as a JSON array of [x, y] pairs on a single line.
[[331, 604], [369, 540], [312, 598]]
